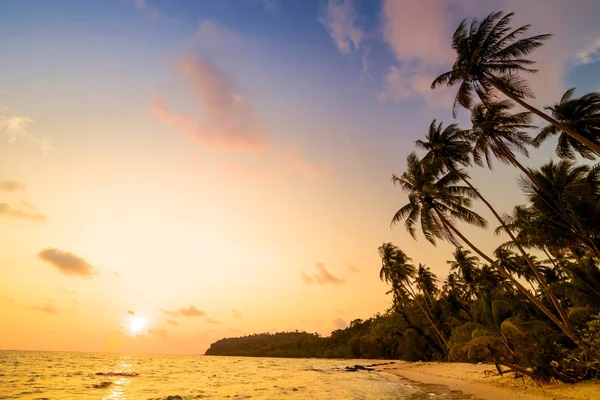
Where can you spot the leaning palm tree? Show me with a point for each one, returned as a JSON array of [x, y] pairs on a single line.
[[489, 55], [425, 282], [466, 264], [573, 189], [437, 203], [581, 115], [495, 133], [396, 269]]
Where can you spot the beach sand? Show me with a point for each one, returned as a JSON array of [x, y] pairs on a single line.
[[482, 381]]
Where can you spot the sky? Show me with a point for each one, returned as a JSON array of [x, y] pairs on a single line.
[[174, 172]]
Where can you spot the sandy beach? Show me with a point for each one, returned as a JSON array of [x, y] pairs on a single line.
[[482, 381]]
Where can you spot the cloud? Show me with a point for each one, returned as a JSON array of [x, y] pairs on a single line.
[[418, 30], [47, 308], [7, 211], [169, 312], [190, 311], [67, 263], [212, 321], [226, 117], [222, 116], [16, 128], [353, 268], [590, 54], [130, 312], [172, 322], [236, 313], [419, 34], [321, 277], [10, 185], [339, 323], [401, 83], [340, 21]]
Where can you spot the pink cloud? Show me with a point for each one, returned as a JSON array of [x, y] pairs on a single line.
[[321, 276], [340, 20], [67, 263], [190, 311], [419, 34], [418, 30], [226, 118], [223, 115]]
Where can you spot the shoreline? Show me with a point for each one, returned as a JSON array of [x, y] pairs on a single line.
[[482, 381]]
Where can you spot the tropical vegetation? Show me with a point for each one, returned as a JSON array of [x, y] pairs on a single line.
[[532, 305]]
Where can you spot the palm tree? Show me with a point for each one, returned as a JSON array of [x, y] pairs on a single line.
[[497, 133], [396, 268], [574, 190], [425, 282], [466, 264], [489, 55], [581, 115], [437, 203]]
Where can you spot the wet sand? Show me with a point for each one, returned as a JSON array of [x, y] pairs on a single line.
[[482, 381]]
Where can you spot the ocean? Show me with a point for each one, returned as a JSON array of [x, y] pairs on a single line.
[[63, 375]]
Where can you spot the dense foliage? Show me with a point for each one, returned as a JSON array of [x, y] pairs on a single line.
[[533, 305]]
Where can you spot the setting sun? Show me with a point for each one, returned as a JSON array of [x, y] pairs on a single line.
[[137, 325]]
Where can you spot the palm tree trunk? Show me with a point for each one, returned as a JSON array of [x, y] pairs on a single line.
[[417, 329], [567, 329], [591, 145], [521, 250], [426, 313]]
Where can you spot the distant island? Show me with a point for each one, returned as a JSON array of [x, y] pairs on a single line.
[[381, 337]]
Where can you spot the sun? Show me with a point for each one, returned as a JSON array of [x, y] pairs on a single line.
[[137, 325]]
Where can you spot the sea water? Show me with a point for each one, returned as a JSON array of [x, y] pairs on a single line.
[[63, 375]]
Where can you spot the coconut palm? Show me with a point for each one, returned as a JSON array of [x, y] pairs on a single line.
[[425, 281], [397, 270], [581, 115], [466, 265], [574, 190], [489, 56], [437, 203], [495, 133]]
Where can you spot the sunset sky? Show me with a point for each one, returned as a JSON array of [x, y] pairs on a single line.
[[173, 172]]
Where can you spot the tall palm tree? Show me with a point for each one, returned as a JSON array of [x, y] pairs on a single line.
[[396, 269], [497, 133], [489, 56], [425, 282], [437, 203], [466, 264], [581, 115]]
